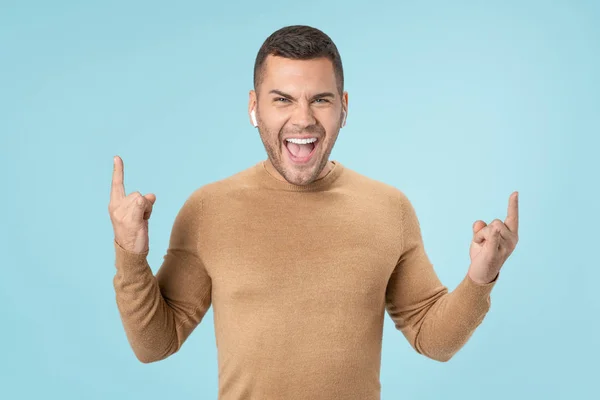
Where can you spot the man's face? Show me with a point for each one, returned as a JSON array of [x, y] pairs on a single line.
[[298, 98]]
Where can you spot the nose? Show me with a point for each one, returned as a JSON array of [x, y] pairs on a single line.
[[302, 116]]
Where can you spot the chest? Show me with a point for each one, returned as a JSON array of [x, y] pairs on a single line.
[[270, 254]]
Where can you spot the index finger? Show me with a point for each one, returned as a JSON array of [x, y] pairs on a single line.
[[117, 190], [512, 219]]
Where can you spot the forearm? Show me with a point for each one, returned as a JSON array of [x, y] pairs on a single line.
[[452, 319], [149, 323]]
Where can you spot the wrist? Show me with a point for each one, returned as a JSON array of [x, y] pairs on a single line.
[[483, 279]]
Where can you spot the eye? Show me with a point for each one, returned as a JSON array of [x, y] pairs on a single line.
[[282, 99], [320, 100]]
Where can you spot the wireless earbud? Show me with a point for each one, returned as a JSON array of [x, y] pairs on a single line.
[[253, 115], [344, 118]]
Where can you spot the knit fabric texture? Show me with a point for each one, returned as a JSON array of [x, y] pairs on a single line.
[[300, 279]]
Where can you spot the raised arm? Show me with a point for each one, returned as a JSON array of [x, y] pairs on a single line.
[[437, 323], [158, 312]]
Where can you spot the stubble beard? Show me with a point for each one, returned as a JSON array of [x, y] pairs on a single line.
[[301, 176]]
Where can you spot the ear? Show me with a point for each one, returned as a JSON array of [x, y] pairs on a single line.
[[252, 108], [344, 108]]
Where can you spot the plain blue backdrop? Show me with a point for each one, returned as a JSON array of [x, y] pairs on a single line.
[[457, 104]]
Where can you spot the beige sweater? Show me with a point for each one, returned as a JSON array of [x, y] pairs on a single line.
[[299, 278]]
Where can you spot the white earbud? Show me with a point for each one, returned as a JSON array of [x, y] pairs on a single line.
[[344, 119], [253, 115]]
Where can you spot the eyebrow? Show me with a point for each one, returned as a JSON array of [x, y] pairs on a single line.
[[289, 96]]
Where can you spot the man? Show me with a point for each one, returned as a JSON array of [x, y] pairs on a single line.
[[298, 255]]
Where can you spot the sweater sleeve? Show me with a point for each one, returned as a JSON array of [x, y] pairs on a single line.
[[159, 312], [437, 323]]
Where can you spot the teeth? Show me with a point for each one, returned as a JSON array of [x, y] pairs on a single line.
[[302, 141]]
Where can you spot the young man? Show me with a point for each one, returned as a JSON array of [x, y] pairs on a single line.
[[299, 256]]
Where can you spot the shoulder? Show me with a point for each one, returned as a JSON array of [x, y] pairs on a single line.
[[224, 188], [375, 188]]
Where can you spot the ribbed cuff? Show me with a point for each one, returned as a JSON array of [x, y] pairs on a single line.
[[476, 295], [129, 261]]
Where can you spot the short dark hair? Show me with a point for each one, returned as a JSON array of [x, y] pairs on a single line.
[[299, 42]]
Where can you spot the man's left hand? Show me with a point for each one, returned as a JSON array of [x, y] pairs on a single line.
[[492, 244]]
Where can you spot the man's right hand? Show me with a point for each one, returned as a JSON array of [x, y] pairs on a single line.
[[129, 214]]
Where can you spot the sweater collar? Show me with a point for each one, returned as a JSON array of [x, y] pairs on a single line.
[[269, 174]]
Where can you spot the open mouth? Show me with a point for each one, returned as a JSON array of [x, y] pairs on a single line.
[[300, 153]]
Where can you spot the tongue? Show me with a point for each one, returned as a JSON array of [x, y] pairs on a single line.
[[300, 150]]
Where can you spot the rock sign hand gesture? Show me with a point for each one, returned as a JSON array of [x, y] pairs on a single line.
[[129, 214], [492, 244]]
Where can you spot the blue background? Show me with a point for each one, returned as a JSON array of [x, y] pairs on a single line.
[[455, 104]]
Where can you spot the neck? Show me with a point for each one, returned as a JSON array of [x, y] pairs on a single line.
[[277, 175]]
